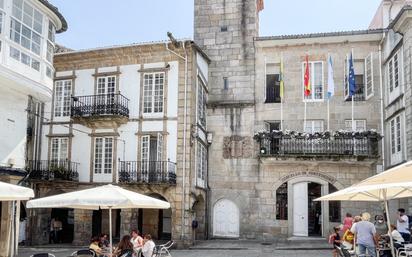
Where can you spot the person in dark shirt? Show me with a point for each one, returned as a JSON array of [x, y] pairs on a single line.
[[336, 241]]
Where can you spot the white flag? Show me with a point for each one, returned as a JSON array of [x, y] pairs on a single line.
[[331, 83]]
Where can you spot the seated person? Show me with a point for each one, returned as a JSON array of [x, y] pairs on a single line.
[[148, 246], [397, 237], [124, 248], [94, 246], [136, 239], [104, 242]]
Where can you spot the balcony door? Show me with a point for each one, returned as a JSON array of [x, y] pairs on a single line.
[[106, 88], [103, 159], [58, 166], [59, 150], [151, 157]]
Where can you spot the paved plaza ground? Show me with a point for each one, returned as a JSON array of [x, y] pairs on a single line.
[[26, 252], [212, 248]]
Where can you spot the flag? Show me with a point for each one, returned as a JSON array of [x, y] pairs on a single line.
[[281, 78], [259, 5], [351, 80], [331, 82], [306, 81]]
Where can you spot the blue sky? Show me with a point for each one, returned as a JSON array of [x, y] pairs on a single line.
[[95, 23]]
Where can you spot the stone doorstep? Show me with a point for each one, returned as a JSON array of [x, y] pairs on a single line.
[[303, 243]]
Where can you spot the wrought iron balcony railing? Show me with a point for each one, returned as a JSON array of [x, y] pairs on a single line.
[[53, 170], [310, 145], [99, 105], [151, 172]]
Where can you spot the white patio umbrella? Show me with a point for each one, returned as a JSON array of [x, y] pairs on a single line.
[[10, 192], [102, 197], [392, 184]]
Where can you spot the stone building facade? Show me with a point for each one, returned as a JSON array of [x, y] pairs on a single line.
[[131, 115], [264, 177], [397, 80]]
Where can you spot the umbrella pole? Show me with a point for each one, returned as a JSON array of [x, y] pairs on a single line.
[[17, 228], [110, 228], [389, 223]]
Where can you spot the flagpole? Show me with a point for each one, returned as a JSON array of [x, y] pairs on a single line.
[[304, 118], [281, 98], [353, 95], [328, 93]]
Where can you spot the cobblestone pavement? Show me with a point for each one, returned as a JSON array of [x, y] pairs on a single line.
[[258, 252]]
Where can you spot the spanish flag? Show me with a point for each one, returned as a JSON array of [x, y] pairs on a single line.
[[306, 81]]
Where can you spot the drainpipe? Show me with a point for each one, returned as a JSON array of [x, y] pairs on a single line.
[[390, 12], [381, 100], [184, 136]]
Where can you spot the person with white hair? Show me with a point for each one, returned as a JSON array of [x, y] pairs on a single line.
[[365, 234]]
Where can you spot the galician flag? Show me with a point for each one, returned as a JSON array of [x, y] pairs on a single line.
[[306, 80], [331, 82], [281, 78], [351, 80]]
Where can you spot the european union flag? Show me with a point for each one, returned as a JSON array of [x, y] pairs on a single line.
[[352, 83]]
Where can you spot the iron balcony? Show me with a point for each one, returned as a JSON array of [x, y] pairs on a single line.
[[346, 146], [149, 172], [53, 170], [99, 105]]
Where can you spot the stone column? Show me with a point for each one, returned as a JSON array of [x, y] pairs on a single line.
[[82, 226], [39, 226], [125, 222]]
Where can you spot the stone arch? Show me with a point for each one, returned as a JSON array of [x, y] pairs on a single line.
[[225, 219], [157, 222], [323, 180]]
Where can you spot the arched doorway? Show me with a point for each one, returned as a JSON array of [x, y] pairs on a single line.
[[225, 219], [156, 222], [62, 220], [308, 217]]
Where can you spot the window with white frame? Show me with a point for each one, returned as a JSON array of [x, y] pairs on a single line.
[[151, 149], [360, 125], [59, 149], [103, 155], [62, 94], [363, 79], [396, 139], [106, 85], [312, 126], [201, 165], [153, 84], [51, 32], [50, 42], [201, 103], [49, 71], [26, 26], [1, 21], [24, 58], [369, 76], [393, 73], [316, 81]]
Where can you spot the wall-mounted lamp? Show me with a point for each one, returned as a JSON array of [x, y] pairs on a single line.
[[209, 137]]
